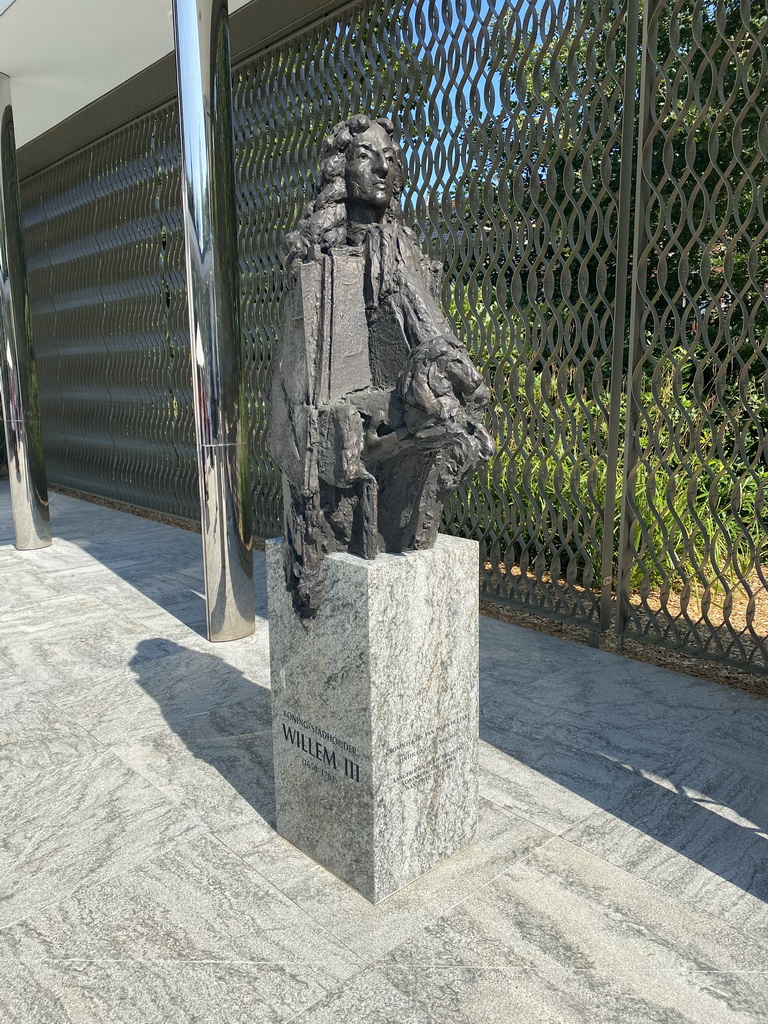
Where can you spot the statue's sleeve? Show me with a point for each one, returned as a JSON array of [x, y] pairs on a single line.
[[423, 319], [295, 374]]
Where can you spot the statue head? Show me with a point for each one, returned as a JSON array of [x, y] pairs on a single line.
[[370, 174], [361, 179]]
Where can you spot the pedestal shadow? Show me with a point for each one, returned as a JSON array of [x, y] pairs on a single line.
[[221, 716]]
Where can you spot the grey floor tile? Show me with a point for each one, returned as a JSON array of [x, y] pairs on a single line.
[[628, 727], [73, 793], [550, 784], [695, 830], [564, 908], [524, 995], [148, 693], [194, 900], [35, 735], [601, 702], [142, 880], [23, 593], [371, 930], [536, 655], [52, 613], [72, 827], [87, 992], [368, 998], [72, 673], [88, 636], [62, 554], [563, 933], [220, 781], [181, 623], [738, 739], [240, 654], [12, 684], [126, 590], [245, 837], [575, 677], [509, 720]]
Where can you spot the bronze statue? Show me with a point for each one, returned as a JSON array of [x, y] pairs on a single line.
[[375, 409]]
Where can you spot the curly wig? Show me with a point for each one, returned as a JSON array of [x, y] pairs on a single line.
[[324, 222]]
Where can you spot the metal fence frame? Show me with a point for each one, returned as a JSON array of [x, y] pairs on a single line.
[[540, 180]]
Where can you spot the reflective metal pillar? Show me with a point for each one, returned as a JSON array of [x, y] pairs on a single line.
[[201, 31], [18, 377]]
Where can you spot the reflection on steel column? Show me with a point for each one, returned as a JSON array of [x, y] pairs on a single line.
[[18, 377], [201, 32]]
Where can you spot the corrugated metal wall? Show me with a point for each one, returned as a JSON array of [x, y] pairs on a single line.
[[520, 123]]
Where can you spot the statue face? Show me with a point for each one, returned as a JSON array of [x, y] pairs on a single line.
[[371, 170]]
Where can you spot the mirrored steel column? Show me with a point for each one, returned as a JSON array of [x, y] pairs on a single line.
[[201, 31], [18, 377]]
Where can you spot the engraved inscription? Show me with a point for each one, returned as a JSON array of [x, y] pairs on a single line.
[[323, 734], [421, 757], [421, 772], [326, 776], [326, 760], [416, 759], [310, 746]]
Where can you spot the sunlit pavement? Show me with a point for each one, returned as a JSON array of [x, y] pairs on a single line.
[[620, 874]]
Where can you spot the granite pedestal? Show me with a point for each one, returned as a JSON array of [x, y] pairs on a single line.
[[375, 713]]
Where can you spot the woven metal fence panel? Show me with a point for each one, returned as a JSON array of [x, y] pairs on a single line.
[[519, 127], [105, 256], [695, 563], [512, 136]]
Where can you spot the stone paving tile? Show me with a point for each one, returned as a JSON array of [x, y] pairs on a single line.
[[581, 678], [695, 830], [512, 722], [738, 740], [61, 555], [95, 638], [613, 703], [550, 784], [35, 736], [182, 624], [24, 593], [71, 827], [369, 998], [219, 780], [534, 659], [52, 613], [193, 901], [242, 653], [634, 729], [478, 995], [561, 907], [149, 693], [249, 655], [141, 879], [567, 937], [371, 931], [138, 596], [99, 992]]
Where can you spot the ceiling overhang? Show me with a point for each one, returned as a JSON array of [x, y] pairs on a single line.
[[83, 68]]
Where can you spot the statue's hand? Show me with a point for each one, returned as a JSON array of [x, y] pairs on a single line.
[[439, 380], [382, 445]]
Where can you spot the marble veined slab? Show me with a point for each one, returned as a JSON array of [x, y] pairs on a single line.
[[375, 714]]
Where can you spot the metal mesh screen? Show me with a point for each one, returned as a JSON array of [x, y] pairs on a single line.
[[696, 559], [518, 124], [513, 142], [105, 256]]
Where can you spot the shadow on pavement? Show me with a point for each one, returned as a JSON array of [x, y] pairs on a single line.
[[648, 763], [222, 716]]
